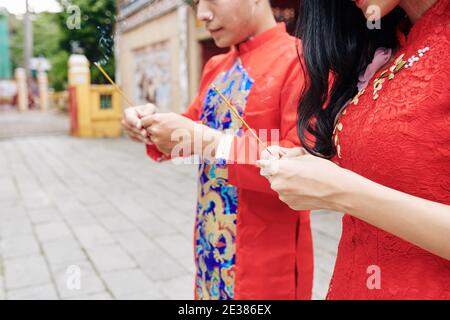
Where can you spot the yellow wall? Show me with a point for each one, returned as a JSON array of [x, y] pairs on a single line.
[[105, 123], [91, 120]]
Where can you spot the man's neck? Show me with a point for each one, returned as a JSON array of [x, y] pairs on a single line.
[[416, 8], [268, 22], [264, 17]]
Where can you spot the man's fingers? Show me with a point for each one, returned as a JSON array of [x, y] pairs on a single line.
[[135, 137], [152, 131], [139, 124], [131, 128], [148, 121], [135, 134], [146, 110], [131, 117], [138, 138]]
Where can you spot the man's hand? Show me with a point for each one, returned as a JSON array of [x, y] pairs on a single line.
[[178, 136], [167, 130], [132, 122]]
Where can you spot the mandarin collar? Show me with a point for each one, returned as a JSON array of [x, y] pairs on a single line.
[[260, 39]]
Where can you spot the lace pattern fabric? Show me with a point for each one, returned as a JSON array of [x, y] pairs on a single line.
[[400, 140]]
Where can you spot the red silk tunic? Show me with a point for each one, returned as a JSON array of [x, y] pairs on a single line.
[[400, 139], [249, 244]]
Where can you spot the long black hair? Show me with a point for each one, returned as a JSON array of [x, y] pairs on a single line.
[[336, 41]]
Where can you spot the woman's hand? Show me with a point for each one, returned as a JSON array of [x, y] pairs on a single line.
[[304, 181], [307, 182]]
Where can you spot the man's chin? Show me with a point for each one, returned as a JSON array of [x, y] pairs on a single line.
[[222, 43]]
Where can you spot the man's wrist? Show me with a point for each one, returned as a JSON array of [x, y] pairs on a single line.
[[224, 146], [210, 142], [205, 140]]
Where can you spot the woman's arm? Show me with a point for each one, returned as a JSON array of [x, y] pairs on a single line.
[[416, 220], [307, 182]]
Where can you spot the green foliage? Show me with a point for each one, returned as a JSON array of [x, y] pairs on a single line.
[[58, 74], [47, 35], [94, 35], [16, 38], [54, 40]]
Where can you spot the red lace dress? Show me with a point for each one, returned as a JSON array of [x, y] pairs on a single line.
[[399, 136]]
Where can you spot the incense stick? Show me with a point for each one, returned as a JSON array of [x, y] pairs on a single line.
[[113, 84], [236, 113], [228, 103]]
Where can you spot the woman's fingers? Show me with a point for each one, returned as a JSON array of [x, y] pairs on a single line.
[[294, 152], [271, 153], [268, 167], [278, 152], [263, 164]]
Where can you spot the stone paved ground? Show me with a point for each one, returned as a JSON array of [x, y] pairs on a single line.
[[100, 205], [14, 124]]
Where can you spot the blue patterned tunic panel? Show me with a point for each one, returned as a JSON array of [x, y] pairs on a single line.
[[215, 228]]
